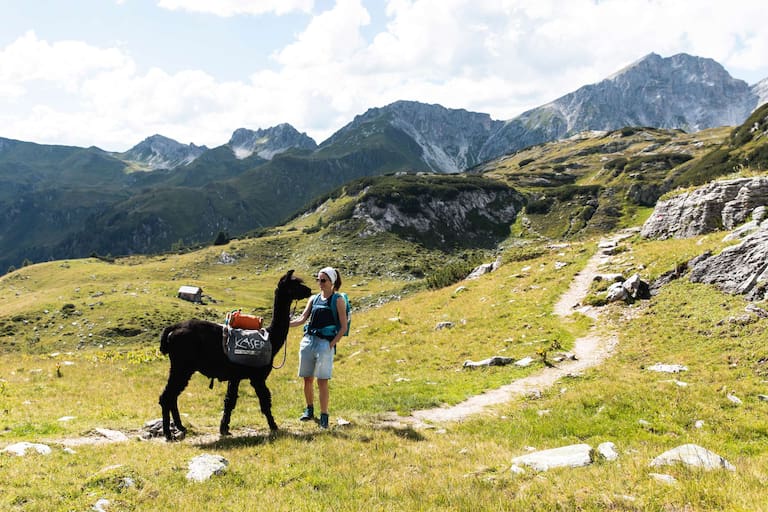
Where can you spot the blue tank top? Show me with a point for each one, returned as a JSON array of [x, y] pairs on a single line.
[[321, 321]]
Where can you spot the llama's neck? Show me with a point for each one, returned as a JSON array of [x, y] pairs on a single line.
[[281, 317]]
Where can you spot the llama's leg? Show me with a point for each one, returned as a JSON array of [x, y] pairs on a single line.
[[265, 401], [230, 402], [177, 381]]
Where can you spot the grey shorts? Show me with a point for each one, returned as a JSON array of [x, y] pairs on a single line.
[[315, 357]]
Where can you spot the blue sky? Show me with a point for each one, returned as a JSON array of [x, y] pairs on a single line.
[[110, 73]]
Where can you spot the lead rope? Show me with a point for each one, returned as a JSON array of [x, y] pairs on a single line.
[[285, 352]]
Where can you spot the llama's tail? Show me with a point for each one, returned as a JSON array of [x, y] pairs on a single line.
[[165, 339]]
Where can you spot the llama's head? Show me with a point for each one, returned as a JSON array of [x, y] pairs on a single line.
[[292, 288]]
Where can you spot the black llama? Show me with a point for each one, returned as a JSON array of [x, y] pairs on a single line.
[[196, 346]]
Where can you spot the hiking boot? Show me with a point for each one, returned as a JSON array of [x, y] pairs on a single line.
[[309, 413], [323, 420]]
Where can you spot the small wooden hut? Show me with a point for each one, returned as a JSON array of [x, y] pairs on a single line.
[[191, 293]]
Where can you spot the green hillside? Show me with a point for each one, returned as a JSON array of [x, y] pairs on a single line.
[[598, 182]]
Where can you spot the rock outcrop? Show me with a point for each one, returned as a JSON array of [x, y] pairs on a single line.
[[738, 269], [469, 215], [718, 205]]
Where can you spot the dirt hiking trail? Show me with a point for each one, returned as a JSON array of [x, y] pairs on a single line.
[[589, 351]]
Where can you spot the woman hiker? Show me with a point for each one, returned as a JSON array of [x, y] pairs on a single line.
[[320, 337]]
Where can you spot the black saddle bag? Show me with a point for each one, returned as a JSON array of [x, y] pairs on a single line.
[[248, 347]]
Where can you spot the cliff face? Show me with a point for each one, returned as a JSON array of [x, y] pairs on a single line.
[[469, 217]]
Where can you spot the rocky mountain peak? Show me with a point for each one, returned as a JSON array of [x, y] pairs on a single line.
[[681, 91], [159, 152], [450, 139], [677, 92], [268, 142]]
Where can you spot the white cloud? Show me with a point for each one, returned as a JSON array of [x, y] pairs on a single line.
[[227, 8], [63, 63], [495, 56], [332, 36]]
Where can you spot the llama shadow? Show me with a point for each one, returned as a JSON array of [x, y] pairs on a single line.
[[254, 438]]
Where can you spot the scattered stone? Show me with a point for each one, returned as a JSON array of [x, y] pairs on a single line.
[[524, 362], [444, 325], [154, 429], [751, 308], [763, 398], [613, 278], [101, 505], [733, 398], [342, 422], [608, 247], [67, 418], [667, 368], [491, 361], [517, 469], [745, 319], [485, 269], [692, 455], [573, 456], [114, 436], [628, 290], [21, 448], [126, 483], [560, 264], [226, 259], [666, 479], [460, 289], [699, 424], [616, 292], [637, 288], [203, 467], [608, 451]]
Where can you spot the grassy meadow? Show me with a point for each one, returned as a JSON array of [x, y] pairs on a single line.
[[79, 342]]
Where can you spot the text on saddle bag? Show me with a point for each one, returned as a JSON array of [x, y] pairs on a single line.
[[250, 347]]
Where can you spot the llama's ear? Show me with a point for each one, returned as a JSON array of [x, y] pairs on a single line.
[[289, 274]]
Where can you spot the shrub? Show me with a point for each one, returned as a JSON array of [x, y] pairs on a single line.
[[539, 206]]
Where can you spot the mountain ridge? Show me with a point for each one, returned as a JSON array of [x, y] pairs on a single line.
[[221, 191]]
